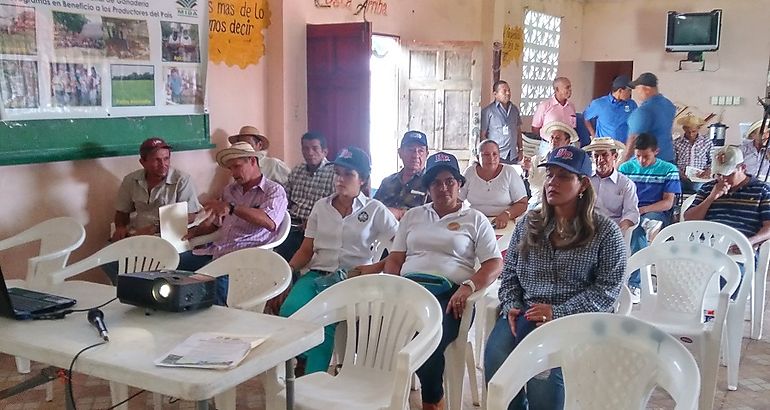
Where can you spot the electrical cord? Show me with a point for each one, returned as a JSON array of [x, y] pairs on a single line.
[[69, 372], [95, 307], [62, 313], [126, 400]]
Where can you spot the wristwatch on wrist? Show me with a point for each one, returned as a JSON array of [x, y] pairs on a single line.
[[470, 284], [232, 207]]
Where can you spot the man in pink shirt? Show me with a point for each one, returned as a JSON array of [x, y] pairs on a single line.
[[556, 108], [247, 215]]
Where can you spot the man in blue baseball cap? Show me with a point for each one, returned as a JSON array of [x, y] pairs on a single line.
[[610, 113], [403, 190]]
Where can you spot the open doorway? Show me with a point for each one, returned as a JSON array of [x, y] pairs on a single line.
[[383, 106], [606, 71]]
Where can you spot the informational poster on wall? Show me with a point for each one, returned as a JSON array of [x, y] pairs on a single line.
[[102, 58]]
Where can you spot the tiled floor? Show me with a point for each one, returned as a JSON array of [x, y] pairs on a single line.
[[753, 392]]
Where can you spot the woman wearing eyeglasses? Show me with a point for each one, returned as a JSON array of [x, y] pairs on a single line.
[[442, 240], [564, 258]]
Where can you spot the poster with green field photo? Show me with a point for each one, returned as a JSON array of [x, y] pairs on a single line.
[[132, 85]]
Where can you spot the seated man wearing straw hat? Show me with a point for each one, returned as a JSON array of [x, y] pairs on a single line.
[[750, 148], [247, 215], [692, 150], [615, 193], [559, 135], [273, 168]]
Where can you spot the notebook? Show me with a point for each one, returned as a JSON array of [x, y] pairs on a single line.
[[23, 304]]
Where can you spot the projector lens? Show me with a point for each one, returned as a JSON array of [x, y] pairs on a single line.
[[161, 290]]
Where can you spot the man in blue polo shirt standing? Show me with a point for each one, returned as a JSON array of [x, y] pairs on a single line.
[[611, 111], [655, 117], [657, 184]]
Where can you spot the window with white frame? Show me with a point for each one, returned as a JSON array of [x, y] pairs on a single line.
[[541, 58]]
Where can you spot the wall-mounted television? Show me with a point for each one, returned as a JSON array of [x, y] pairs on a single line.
[[693, 31]]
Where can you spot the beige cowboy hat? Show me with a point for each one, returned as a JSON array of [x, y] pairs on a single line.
[[248, 130], [237, 150], [558, 125], [755, 126], [690, 121], [604, 143]]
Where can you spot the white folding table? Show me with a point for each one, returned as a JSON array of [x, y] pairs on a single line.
[[137, 339]]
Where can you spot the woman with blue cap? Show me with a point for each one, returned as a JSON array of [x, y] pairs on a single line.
[[564, 258], [438, 245], [340, 231]]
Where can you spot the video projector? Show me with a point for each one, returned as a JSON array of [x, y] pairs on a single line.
[[167, 290]]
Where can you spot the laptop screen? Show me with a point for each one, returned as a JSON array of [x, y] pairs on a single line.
[[6, 306]]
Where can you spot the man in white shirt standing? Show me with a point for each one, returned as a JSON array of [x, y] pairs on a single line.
[[615, 193], [273, 168]]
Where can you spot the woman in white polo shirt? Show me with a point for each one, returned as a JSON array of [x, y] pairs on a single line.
[[340, 230], [494, 188], [445, 238]]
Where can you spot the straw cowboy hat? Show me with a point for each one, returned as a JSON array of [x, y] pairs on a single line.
[[690, 121], [237, 150], [558, 125], [248, 130], [604, 143], [755, 126]]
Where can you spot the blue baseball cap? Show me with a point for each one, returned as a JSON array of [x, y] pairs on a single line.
[[572, 159], [356, 159], [438, 162], [414, 137]]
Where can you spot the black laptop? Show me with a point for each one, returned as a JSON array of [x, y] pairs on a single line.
[[23, 304]]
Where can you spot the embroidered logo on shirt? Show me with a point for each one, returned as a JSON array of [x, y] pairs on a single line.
[[627, 108], [363, 216], [453, 226]]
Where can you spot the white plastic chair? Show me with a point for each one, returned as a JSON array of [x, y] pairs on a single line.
[[459, 357], [283, 232], [134, 254], [758, 296], [595, 352], [721, 237], [686, 204], [683, 271], [623, 307], [58, 238], [393, 325]]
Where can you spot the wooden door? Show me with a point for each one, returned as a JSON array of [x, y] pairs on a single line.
[[440, 92], [606, 71], [338, 83]]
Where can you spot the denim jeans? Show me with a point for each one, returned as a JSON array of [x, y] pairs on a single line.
[[431, 373], [191, 262], [540, 394], [639, 240]]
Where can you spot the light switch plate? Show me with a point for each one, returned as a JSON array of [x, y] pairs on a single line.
[[721, 100], [737, 100], [729, 100], [714, 100]]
